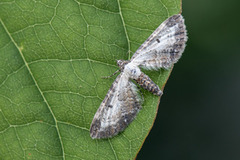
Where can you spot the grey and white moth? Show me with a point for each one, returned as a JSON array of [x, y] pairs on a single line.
[[122, 102]]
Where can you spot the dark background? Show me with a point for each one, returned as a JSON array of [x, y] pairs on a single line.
[[199, 113]]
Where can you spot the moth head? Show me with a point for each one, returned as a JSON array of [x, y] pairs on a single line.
[[121, 64]]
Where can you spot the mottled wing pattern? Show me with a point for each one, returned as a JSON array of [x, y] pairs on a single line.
[[118, 109], [164, 47], [122, 102]]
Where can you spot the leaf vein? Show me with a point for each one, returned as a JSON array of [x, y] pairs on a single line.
[[114, 152], [125, 29]]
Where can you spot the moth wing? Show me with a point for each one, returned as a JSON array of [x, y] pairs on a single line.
[[165, 45], [117, 110]]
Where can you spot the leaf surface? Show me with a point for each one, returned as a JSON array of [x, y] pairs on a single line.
[[52, 57]]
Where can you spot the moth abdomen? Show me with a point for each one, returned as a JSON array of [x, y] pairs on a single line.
[[144, 81]]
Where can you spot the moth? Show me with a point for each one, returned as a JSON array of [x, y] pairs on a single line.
[[122, 103]]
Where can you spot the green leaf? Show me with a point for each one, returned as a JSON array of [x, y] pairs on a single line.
[[52, 57]]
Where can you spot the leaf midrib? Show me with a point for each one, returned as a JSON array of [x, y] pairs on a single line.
[[35, 82]]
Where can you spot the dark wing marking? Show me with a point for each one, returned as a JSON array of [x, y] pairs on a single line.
[[164, 47], [117, 110]]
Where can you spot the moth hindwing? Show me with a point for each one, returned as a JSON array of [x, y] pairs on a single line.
[[120, 106]]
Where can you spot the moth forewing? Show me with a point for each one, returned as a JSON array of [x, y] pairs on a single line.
[[117, 110], [165, 45]]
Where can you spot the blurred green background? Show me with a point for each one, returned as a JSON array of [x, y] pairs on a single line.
[[199, 113]]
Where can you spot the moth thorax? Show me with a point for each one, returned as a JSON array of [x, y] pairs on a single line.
[[132, 71], [121, 64]]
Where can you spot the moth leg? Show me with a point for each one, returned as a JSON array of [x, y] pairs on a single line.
[[140, 92], [144, 81], [106, 77]]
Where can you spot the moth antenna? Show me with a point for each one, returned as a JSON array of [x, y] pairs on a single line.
[[106, 77]]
